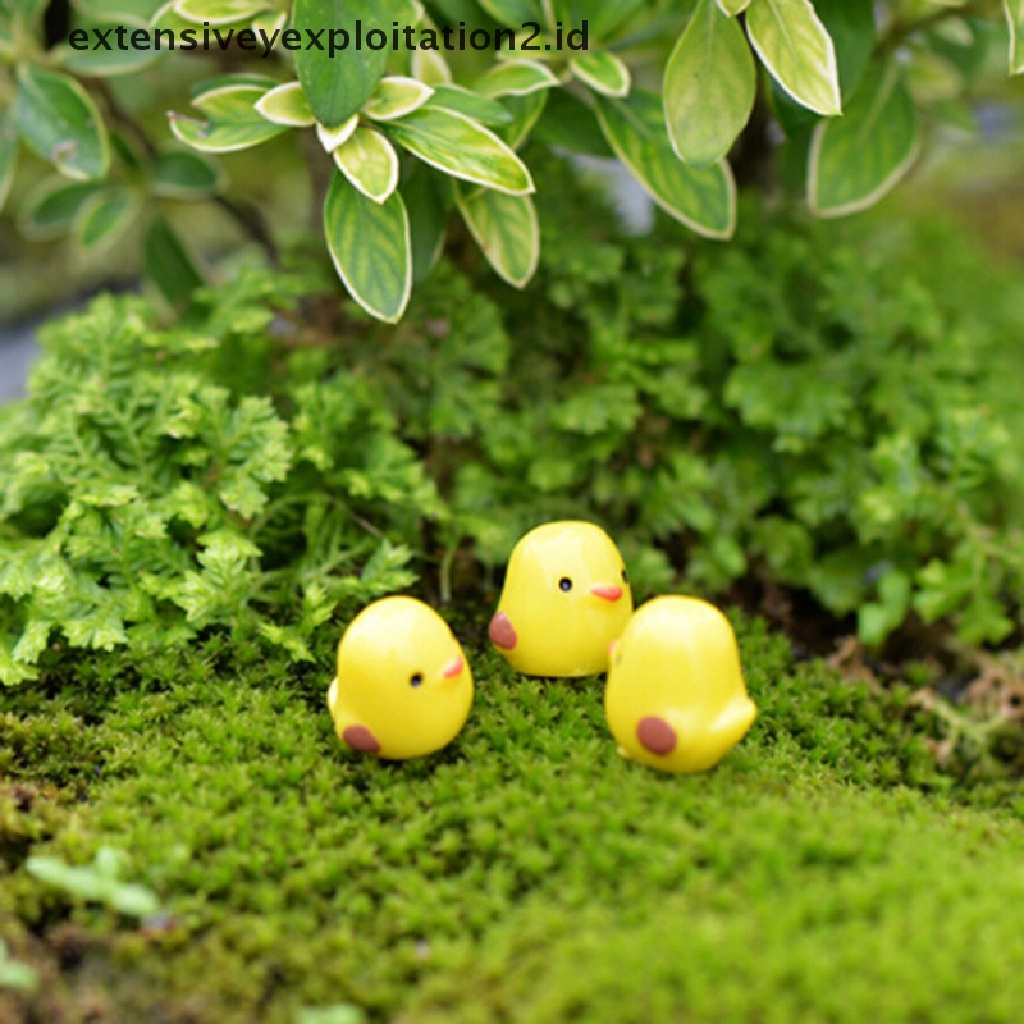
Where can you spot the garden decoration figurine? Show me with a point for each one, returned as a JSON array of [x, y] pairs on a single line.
[[404, 687], [675, 697], [566, 597]]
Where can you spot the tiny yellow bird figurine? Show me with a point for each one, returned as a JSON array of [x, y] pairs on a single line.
[[675, 697], [404, 687], [566, 597]]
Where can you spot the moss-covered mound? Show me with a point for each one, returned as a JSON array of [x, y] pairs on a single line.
[[526, 873]]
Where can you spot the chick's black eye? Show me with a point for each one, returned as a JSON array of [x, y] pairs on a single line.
[[625, 578], [565, 584], [416, 679]]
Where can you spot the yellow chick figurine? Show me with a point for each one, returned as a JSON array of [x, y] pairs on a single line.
[[675, 697], [403, 687], [566, 597]]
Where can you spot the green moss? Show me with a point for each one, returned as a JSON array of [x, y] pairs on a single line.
[[526, 872]]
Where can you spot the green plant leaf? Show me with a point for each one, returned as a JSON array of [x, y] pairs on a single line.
[[429, 66], [370, 246], [8, 152], [338, 84], [704, 199], [59, 121], [104, 217], [709, 87], [168, 264], [286, 104], [602, 71], [851, 26], [513, 12], [515, 78], [487, 111], [233, 122], [14, 975], [1015, 21], [221, 83], [505, 228], [568, 122], [182, 174], [525, 111], [103, 63], [426, 201], [856, 159], [332, 138], [219, 12], [370, 162], [733, 7], [795, 47], [462, 148], [51, 206], [395, 97]]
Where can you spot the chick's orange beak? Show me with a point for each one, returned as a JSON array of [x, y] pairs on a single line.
[[453, 668], [607, 591]]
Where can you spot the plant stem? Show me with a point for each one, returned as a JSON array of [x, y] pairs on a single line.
[[246, 215]]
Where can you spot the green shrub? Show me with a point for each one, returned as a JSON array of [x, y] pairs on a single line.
[[149, 496], [833, 411], [405, 138]]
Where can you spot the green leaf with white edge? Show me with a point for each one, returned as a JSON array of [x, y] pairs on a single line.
[[166, 16], [857, 158], [183, 174], [104, 63], [731, 8], [58, 120], [337, 85], [851, 26], [219, 12], [795, 47], [231, 104], [221, 82], [269, 23], [286, 104], [602, 71], [370, 162], [464, 101], [168, 263], [425, 192], [462, 148], [505, 228], [702, 198], [430, 66], [1015, 21], [49, 209], [8, 152], [220, 138], [234, 122], [105, 217], [370, 246], [515, 78], [332, 138], [395, 97], [709, 86]]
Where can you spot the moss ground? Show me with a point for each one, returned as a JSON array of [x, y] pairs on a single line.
[[823, 872]]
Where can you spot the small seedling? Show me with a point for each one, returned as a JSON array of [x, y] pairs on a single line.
[[98, 883], [17, 976]]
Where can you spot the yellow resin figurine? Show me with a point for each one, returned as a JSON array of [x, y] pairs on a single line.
[[675, 697], [403, 687], [566, 598]]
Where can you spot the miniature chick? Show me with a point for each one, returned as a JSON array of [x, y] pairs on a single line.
[[566, 597], [404, 687], [675, 697]]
